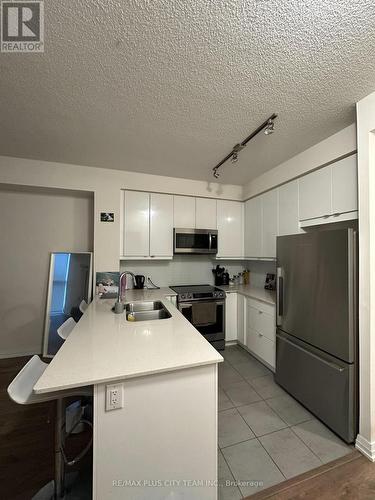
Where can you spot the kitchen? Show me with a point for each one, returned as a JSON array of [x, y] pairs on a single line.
[[238, 354]]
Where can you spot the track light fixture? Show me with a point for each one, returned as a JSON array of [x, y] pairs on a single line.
[[268, 126]]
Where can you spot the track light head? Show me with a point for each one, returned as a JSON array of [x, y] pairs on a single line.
[[270, 127]]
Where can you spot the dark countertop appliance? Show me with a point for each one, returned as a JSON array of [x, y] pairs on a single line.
[[221, 276], [195, 241], [204, 307], [316, 342], [139, 281]]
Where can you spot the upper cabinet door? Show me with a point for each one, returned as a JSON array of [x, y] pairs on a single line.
[[230, 228], [288, 209], [315, 194], [253, 227], [161, 225], [136, 224], [205, 213], [184, 212], [269, 220], [345, 185]]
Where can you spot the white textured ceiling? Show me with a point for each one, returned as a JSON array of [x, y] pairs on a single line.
[[169, 86]]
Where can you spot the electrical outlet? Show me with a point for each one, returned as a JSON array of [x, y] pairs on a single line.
[[114, 397]]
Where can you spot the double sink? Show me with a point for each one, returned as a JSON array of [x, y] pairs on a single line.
[[146, 311]]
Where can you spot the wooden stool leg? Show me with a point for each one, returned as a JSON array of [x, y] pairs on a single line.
[[59, 462]]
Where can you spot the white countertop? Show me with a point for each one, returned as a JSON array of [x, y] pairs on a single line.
[[267, 296], [105, 346]]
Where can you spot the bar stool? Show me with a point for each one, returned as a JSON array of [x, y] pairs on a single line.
[[21, 391], [83, 306], [66, 328]]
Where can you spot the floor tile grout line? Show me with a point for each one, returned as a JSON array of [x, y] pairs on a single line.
[[312, 451], [230, 470]]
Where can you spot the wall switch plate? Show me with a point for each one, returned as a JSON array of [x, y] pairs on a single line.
[[114, 397]]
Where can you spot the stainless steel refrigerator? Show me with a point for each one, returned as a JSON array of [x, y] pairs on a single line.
[[316, 343]]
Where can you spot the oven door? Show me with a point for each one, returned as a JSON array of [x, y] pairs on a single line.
[[199, 241], [213, 330]]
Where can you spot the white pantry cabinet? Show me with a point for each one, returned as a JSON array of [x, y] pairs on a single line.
[[288, 209], [231, 316], [329, 194], [184, 212], [147, 226], [205, 213], [253, 227], [161, 225], [269, 223], [231, 229], [136, 224]]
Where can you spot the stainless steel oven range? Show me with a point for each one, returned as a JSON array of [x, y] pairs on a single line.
[[204, 307]]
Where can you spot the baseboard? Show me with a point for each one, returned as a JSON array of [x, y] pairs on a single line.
[[230, 342], [365, 447], [6, 355]]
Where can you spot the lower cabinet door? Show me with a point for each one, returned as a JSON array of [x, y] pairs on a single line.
[[261, 346]]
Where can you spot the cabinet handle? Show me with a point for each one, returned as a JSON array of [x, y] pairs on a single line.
[[260, 312], [152, 256], [260, 334], [336, 215]]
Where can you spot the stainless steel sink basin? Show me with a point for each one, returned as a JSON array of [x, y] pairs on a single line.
[[144, 306], [146, 311]]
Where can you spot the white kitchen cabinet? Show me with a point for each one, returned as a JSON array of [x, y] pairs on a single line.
[[329, 194], [230, 228], [315, 194], [161, 225], [288, 209], [253, 227], [184, 212], [269, 223], [241, 318], [205, 213], [260, 336], [136, 224], [345, 185], [231, 325]]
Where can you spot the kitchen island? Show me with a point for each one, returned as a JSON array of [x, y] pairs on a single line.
[[163, 442]]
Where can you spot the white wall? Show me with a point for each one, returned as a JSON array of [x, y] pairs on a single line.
[[106, 185], [33, 223], [366, 176], [190, 269], [340, 144]]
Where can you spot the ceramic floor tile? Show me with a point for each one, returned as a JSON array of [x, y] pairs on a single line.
[[228, 375], [223, 401], [242, 393], [326, 445], [266, 387], [235, 355], [289, 409], [232, 428], [251, 369], [289, 453], [227, 490], [252, 467], [261, 418]]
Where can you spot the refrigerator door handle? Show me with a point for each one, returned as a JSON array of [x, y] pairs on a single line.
[[280, 296]]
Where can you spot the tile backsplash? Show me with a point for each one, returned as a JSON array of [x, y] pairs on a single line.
[[195, 269]]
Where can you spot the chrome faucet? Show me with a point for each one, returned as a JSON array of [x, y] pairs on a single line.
[[119, 306]]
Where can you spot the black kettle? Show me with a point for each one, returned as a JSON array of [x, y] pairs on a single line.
[[139, 281]]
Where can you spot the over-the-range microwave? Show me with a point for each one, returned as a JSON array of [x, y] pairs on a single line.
[[198, 241]]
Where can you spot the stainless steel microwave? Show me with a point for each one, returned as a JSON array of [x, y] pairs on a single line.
[[198, 241]]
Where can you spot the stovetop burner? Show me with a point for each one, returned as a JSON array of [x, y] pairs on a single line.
[[197, 292]]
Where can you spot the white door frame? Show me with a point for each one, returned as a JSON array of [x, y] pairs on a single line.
[[366, 185]]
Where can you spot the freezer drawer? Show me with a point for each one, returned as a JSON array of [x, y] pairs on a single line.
[[325, 385]]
